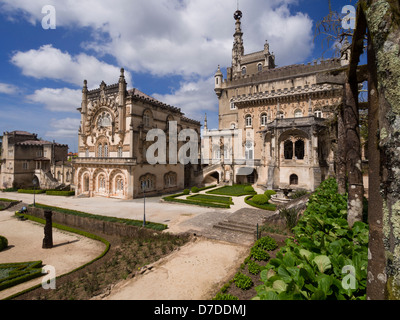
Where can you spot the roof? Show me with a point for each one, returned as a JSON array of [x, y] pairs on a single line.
[[139, 95], [37, 143]]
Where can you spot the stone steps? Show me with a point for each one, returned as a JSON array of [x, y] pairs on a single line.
[[236, 227]]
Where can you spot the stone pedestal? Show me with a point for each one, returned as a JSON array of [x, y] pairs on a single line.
[[48, 231]]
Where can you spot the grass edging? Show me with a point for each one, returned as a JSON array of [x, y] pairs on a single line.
[[68, 229]]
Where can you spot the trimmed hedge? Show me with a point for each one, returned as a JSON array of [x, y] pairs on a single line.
[[31, 191], [209, 198], [60, 193], [18, 273], [267, 206], [137, 223], [202, 203], [236, 190], [3, 243], [260, 199]]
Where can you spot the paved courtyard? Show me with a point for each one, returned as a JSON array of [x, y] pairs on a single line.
[[223, 249]]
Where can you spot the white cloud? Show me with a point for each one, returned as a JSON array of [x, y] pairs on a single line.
[[8, 88], [64, 128], [59, 100], [189, 37], [51, 63], [194, 98]]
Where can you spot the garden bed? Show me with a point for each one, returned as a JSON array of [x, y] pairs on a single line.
[[234, 191]]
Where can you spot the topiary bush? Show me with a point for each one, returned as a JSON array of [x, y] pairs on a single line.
[[269, 193], [248, 189], [260, 199], [3, 243], [195, 190], [186, 192]]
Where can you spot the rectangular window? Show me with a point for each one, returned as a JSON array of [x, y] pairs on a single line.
[[25, 166]]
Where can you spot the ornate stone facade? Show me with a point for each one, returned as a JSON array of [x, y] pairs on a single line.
[[112, 143], [283, 116]]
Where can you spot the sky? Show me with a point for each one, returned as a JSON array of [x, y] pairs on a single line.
[[170, 50]]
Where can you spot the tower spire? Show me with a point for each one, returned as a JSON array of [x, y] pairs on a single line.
[[238, 47]]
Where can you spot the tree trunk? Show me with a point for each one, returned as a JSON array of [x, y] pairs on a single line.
[[341, 153], [376, 287], [353, 153], [383, 21]]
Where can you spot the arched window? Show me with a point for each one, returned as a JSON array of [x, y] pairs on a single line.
[[147, 182], [259, 67], [248, 121], [299, 149], [288, 150], [244, 71], [106, 151], [100, 151], [104, 120], [318, 114], [264, 119], [294, 180], [86, 183]]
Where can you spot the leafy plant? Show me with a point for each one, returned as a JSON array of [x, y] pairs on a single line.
[[225, 296], [290, 215], [254, 267], [259, 254], [260, 199], [266, 243], [310, 265], [242, 281], [3, 243]]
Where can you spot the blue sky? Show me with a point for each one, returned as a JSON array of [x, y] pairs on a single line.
[[170, 50]]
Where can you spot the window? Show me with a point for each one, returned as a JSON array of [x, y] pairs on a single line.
[[147, 118], [298, 113], [299, 149], [248, 121], [170, 180], [106, 151], [147, 182], [233, 106], [294, 180], [100, 151], [244, 71], [86, 183], [288, 150], [25, 165], [264, 119], [318, 114], [120, 152], [249, 151], [259, 67]]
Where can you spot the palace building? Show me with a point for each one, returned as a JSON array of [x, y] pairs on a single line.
[[112, 159], [283, 116]]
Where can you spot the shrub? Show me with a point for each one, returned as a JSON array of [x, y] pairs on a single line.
[[267, 243], [186, 192], [225, 296], [242, 281], [298, 194], [290, 216], [267, 206], [269, 193], [60, 193], [259, 254], [195, 190], [31, 191], [254, 267], [260, 199], [248, 189], [3, 243]]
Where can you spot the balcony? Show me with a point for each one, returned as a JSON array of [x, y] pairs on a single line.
[[106, 161]]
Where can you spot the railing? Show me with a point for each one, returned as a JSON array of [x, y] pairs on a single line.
[[114, 161]]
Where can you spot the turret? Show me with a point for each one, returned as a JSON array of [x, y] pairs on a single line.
[[218, 82]]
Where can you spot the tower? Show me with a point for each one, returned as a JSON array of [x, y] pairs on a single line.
[[238, 47], [218, 82]]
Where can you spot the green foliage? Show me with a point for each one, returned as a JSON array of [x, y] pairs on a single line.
[[225, 296], [195, 189], [137, 223], [186, 191], [254, 267], [260, 199], [242, 281], [31, 191], [259, 253], [236, 190], [268, 206], [310, 265], [12, 274], [60, 193], [270, 193], [298, 194], [266, 243], [290, 215], [201, 200], [3, 243]]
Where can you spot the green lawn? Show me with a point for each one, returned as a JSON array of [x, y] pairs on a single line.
[[234, 191], [209, 198]]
